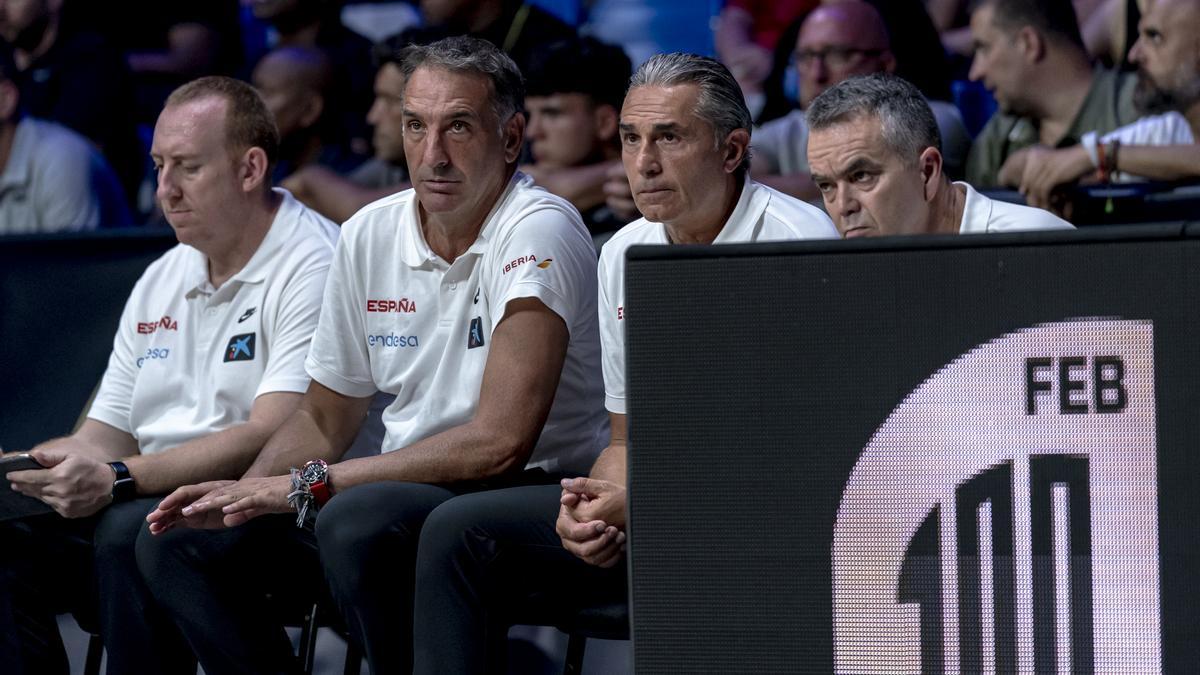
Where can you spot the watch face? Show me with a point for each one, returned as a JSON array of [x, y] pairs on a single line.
[[314, 472]]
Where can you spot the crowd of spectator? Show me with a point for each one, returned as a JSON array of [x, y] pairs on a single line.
[[1057, 73]]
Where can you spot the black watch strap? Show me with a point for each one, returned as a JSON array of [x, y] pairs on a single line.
[[123, 488]]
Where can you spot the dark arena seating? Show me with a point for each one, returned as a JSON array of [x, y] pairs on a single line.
[[1121, 203], [940, 454], [60, 298]]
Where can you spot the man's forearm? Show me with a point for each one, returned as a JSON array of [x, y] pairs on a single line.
[[471, 451], [96, 440], [218, 455], [303, 437], [610, 465], [1162, 162], [224, 454]]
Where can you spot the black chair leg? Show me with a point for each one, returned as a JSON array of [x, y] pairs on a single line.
[[576, 644], [308, 640], [353, 659], [95, 652]]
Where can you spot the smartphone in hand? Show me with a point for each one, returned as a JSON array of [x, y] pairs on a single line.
[[14, 504]]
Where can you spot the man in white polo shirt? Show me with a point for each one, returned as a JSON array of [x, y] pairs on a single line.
[[471, 298], [875, 155], [685, 134], [207, 362]]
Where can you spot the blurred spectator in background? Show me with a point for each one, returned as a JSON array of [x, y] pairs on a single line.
[[317, 23], [914, 44], [74, 77], [1030, 55], [337, 197], [51, 178], [920, 58], [1158, 147], [1102, 24], [1109, 27], [644, 28], [572, 126], [514, 26], [166, 43], [838, 40], [295, 83], [746, 34]]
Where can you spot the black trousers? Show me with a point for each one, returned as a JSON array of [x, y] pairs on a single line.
[[86, 566], [482, 556], [368, 545], [231, 591], [215, 583]]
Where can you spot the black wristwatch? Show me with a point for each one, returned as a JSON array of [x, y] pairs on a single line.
[[123, 488]]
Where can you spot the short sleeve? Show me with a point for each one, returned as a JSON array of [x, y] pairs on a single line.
[[612, 328], [1167, 129], [547, 255], [338, 355], [114, 399], [295, 320]]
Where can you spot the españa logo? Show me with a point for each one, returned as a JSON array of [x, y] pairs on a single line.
[[402, 305], [165, 323], [240, 348]]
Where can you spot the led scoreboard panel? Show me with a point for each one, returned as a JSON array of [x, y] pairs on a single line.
[[929, 455]]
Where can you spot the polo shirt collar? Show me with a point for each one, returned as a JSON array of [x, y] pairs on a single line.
[[415, 251], [255, 271], [282, 228], [16, 171], [196, 274], [740, 225], [977, 211], [750, 206]]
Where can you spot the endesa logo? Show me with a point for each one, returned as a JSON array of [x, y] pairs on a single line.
[[403, 305], [392, 340], [153, 354], [526, 259], [165, 323]]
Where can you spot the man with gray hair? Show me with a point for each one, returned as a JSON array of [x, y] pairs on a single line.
[[876, 159], [685, 137], [472, 299]]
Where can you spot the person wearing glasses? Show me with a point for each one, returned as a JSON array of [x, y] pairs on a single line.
[[837, 41]]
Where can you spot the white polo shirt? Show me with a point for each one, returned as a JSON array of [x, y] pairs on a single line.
[[982, 215], [399, 319], [189, 359], [761, 214]]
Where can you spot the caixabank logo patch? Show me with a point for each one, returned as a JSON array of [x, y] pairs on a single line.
[[240, 348], [1004, 517]]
